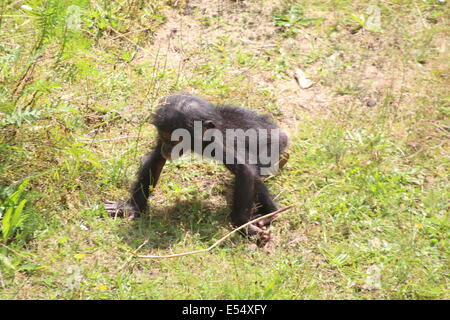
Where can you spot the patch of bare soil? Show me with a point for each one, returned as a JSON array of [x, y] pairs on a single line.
[[182, 44]]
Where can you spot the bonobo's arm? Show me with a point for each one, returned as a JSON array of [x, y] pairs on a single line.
[[246, 187], [264, 203], [147, 175]]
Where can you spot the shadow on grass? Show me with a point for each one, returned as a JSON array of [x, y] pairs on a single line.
[[166, 226]]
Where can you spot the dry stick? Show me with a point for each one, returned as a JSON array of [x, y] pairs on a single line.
[[18, 253], [218, 241], [257, 44], [134, 253], [112, 139]]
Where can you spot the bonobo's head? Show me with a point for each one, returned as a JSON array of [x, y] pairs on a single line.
[[179, 112]]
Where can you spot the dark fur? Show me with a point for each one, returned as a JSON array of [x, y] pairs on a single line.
[[180, 111]]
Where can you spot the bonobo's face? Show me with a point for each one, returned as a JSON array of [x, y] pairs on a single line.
[[167, 144]]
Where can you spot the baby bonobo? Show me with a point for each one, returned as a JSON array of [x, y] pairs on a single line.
[[248, 144]]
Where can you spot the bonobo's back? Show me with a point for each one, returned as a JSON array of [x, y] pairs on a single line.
[[239, 117], [245, 119], [181, 110]]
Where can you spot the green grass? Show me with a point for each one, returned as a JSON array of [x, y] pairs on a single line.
[[369, 150]]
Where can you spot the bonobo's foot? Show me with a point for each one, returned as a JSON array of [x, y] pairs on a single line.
[[260, 232], [121, 209]]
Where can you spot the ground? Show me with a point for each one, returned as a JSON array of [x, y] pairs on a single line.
[[369, 147]]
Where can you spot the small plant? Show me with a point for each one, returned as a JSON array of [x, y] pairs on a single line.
[[12, 212], [290, 20], [371, 21], [19, 115]]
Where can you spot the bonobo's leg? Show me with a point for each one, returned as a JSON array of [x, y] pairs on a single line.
[[147, 175]]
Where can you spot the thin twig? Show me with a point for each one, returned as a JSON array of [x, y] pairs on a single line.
[[129, 32], [134, 253], [17, 252], [112, 139], [218, 241], [257, 44]]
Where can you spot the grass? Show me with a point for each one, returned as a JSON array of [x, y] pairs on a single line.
[[367, 174]]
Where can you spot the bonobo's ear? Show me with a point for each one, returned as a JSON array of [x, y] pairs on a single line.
[[209, 124]]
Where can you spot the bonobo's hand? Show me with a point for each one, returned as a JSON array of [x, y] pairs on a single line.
[[121, 209], [259, 232]]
